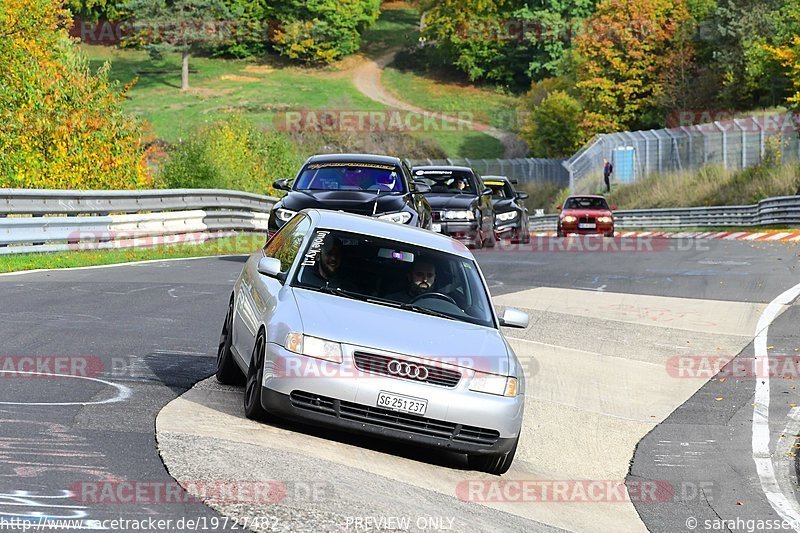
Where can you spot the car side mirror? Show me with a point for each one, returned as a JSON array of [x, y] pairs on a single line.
[[270, 266], [613, 208], [282, 185], [523, 195], [421, 188], [486, 192], [558, 208], [514, 318]]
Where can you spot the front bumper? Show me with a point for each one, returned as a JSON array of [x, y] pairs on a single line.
[[462, 230], [456, 419], [601, 229]]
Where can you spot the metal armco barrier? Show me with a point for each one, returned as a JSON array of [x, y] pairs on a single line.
[[53, 220], [780, 211]]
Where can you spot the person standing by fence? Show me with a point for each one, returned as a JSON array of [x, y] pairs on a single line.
[[608, 169]]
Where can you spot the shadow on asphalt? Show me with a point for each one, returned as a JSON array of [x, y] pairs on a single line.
[[405, 450]]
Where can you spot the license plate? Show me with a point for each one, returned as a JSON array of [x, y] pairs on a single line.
[[436, 227], [406, 404], [587, 226]]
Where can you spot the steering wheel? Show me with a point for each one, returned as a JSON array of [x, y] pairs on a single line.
[[435, 295]]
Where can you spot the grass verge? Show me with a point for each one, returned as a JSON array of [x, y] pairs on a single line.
[[240, 244]]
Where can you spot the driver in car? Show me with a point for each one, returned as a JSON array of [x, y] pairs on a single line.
[[421, 279]]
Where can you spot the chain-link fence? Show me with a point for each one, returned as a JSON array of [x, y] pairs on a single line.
[[733, 144], [523, 170]]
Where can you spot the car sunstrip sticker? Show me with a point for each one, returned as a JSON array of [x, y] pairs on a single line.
[[310, 259]]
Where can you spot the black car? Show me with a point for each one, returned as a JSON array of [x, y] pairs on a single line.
[[370, 185], [461, 203], [510, 213]]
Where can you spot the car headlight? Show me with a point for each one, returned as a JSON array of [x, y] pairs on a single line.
[[511, 215], [285, 215], [605, 220], [494, 384], [459, 215], [314, 347], [400, 218], [569, 219]]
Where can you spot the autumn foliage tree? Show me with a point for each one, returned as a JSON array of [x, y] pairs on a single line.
[[61, 126], [624, 55]]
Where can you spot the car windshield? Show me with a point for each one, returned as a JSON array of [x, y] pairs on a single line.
[[350, 177], [394, 274], [586, 203], [500, 189], [447, 181]]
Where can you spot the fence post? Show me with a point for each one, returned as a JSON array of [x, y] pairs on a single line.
[[744, 141], [724, 144]]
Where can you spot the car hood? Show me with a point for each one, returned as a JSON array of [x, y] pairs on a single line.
[[450, 201], [586, 212], [506, 204], [404, 332], [358, 202]]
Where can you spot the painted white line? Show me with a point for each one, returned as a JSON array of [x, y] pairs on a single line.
[[114, 265], [754, 236], [783, 505], [795, 239], [718, 235], [734, 236], [123, 392], [704, 235]]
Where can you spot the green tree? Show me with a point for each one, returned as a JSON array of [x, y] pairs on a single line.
[[322, 31], [786, 51], [175, 26], [552, 128], [624, 55], [504, 41], [61, 125]]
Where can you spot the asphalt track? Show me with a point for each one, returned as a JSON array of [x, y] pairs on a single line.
[[606, 328]]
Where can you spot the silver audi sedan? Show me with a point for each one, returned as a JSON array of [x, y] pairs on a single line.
[[378, 328]]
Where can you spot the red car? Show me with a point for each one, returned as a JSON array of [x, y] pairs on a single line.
[[586, 214]]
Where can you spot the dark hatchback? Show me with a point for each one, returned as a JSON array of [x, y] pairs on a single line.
[[461, 204], [371, 185], [510, 214]]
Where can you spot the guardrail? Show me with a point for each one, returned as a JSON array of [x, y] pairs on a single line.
[[53, 220], [779, 211]]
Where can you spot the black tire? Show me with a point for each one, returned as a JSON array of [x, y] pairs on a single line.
[[228, 372], [559, 233], [493, 464], [526, 237], [252, 389]]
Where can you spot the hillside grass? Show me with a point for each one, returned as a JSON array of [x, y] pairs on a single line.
[[709, 186], [261, 91], [242, 244]]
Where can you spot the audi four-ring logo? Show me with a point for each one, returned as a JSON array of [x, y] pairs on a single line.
[[407, 370]]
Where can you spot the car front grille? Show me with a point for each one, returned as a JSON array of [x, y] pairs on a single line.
[[386, 418], [379, 364], [586, 220]]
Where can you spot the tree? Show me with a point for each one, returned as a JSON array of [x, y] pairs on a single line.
[[61, 126], [176, 26], [624, 55], [505, 41], [787, 51], [322, 31], [552, 129]]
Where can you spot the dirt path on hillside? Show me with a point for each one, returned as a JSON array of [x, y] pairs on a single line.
[[367, 79]]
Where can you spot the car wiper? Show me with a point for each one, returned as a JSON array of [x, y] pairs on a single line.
[[340, 292], [425, 311]]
